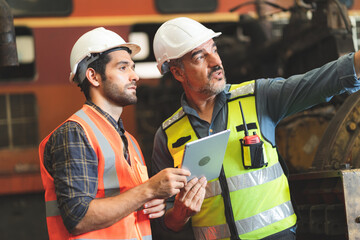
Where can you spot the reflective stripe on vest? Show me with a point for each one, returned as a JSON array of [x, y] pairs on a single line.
[[246, 180], [52, 208], [246, 225], [244, 90], [111, 183], [173, 118]]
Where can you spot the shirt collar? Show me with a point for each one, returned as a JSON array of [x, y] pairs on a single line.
[[221, 100], [118, 125]]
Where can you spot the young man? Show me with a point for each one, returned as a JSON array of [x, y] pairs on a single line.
[[93, 172], [250, 199]]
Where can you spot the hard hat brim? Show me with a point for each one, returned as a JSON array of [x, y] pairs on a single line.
[[201, 41]]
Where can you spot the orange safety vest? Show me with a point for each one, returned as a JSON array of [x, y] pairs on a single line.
[[115, 176]]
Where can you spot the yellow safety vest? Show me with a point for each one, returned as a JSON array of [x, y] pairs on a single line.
[[260, 198]]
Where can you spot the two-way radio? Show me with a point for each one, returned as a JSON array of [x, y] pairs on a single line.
[[252, 148], [248, 140]]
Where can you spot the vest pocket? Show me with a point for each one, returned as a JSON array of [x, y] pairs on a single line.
[[142, 172], [253, 155]]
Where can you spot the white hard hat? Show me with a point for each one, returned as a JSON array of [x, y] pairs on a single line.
[[97, 40], [177, 37]]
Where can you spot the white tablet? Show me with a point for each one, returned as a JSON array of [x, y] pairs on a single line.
[[204, 157]]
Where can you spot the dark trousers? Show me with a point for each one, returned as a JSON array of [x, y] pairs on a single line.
[[286, 234]]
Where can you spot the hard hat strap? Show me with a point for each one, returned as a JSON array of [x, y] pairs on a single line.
[[84, 64]]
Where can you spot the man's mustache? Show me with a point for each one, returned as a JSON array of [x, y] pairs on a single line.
[[214, 69]]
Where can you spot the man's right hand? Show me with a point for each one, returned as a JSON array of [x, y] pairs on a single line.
[[168, 182], [187, 203]]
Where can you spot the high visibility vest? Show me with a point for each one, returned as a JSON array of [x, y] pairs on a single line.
[[115, 176], [258, 200]]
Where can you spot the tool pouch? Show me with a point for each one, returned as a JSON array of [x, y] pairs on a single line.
[[253, 155]]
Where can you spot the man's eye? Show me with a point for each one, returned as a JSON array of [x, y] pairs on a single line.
[[199, 57]]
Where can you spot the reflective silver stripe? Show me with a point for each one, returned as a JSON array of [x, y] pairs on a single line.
[[246, 180], [174, 118], [246, 225], [243, 90], [111, 181], [52, 208], [144, 238], [137, 150], [111, 192], [265, 218]]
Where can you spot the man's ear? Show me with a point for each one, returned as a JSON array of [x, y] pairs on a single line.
[[93, 77], [177, 73]]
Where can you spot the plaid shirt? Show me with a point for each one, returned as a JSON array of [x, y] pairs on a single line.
[[73, 164]]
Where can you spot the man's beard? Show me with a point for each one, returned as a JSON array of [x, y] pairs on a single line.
[[210, 88], [115, 95]]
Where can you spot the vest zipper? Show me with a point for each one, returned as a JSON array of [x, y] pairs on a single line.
[[227, 206]]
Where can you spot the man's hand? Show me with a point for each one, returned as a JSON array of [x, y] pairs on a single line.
[[104, 212], [187, 203], [154, 208], [168, 182]]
